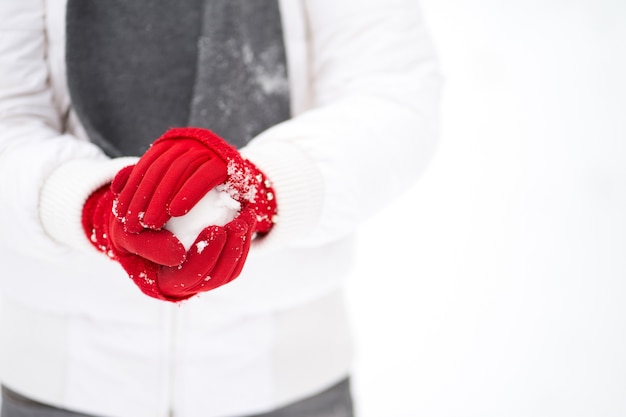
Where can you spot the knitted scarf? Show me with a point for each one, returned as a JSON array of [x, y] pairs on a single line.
[[136, 68]]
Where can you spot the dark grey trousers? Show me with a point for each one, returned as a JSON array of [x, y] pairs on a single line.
[[334, 402]]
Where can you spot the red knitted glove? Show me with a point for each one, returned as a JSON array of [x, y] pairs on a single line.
[[107, 234], [173, 175], [216, 257], [178, 170]]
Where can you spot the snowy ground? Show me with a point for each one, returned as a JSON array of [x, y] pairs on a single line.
[[507, 297]]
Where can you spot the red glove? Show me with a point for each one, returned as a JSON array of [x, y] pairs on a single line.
[[107, 234], [216, 258], [178, 170], [173, 175]]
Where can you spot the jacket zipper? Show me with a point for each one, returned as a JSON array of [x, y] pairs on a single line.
[[172, 332]]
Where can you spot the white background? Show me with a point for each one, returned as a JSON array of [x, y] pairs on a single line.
[[497, 286]]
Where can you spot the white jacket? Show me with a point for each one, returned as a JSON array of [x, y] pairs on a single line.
[[77, 333]]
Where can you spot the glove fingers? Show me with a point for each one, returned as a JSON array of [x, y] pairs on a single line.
[[157, 214], [242, 258], [194, 272], [126, 192], [207, 177], [121, 179], [249, 218], [154, 178], [158, 246], [232, 253]]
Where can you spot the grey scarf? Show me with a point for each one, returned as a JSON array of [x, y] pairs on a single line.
[[136, 68]]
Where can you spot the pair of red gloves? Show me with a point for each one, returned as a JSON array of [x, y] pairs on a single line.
[[125, 219]]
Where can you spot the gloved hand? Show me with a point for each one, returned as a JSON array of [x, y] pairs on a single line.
[[158, 248], [216, 257], [172, 176], [178, 170]]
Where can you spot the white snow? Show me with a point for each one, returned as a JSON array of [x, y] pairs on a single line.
[[215, 208], [201, 246]]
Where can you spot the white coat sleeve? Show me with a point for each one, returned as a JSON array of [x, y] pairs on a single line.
[[372, 127], [45, 174]]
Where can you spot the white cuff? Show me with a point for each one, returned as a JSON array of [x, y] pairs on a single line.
[[65, 192], [299, 191]]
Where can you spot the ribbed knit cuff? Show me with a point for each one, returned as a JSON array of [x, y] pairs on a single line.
[[64, 193], [299, 191]]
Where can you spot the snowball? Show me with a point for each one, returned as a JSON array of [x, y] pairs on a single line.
[[215, 208]]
